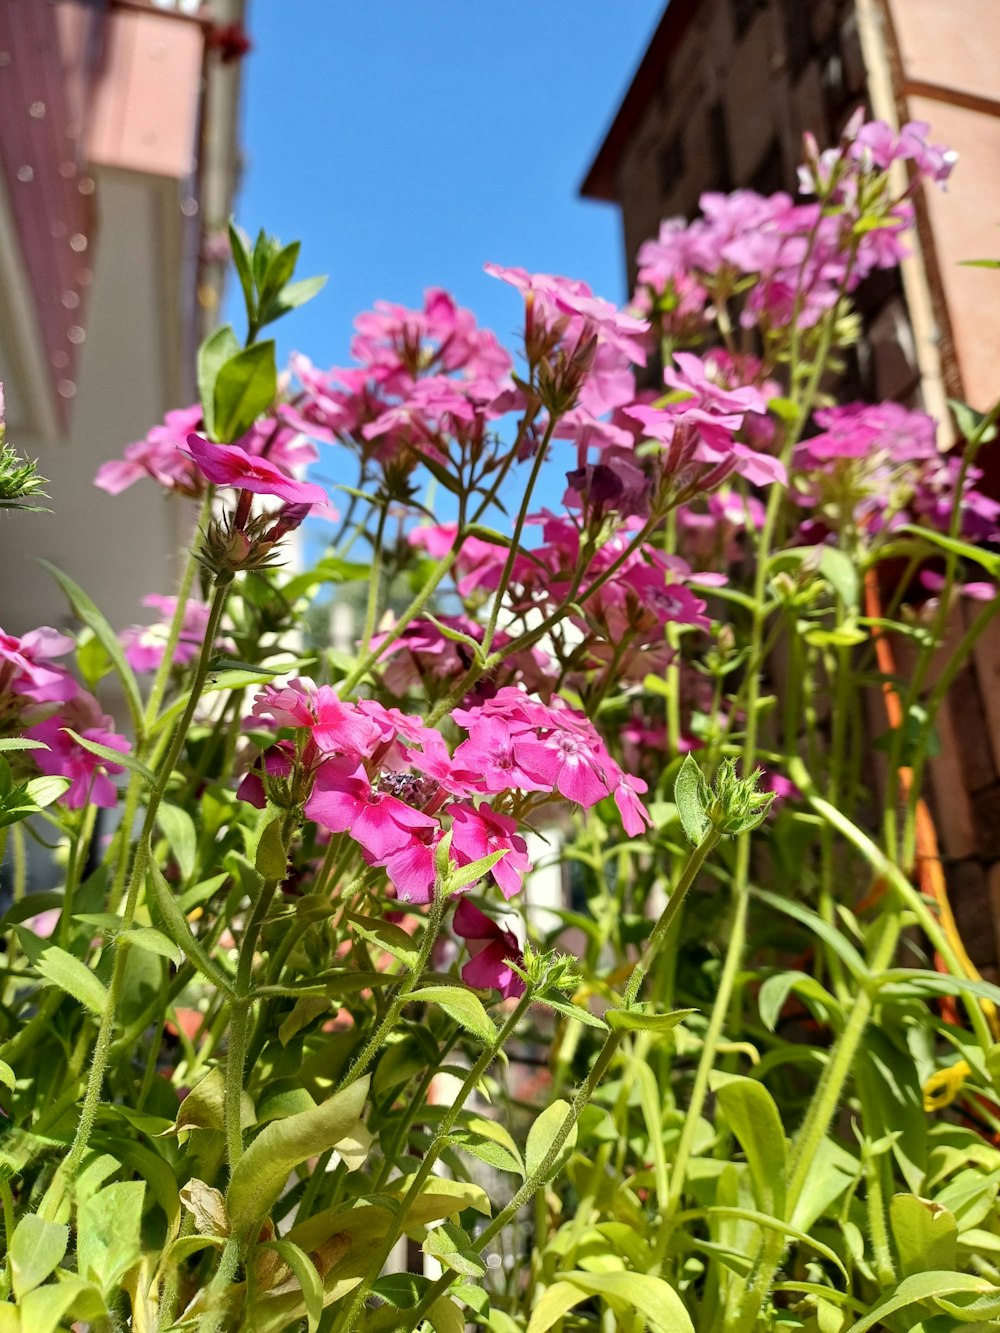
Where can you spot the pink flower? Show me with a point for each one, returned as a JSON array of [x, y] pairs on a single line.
[[336, 727], [492, 948], [229, 465], [476, 833], [25, 669], [89, 783], [146, 644], [635, 816], [344, 801], [496, 760]]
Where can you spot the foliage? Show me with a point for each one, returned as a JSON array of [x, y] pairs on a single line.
[[301, 1000]]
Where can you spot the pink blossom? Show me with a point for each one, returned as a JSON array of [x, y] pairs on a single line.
[[478, 832], [146, 644], [25, 665], [635, 816], [978, 592], [88, 774], [229, 465], [493, 948], [337, 727], [278, 761], [344, 801]]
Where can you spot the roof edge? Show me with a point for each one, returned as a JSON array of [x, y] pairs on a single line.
[[599, 183]]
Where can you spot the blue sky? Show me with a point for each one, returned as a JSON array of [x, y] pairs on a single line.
[[407, 142]]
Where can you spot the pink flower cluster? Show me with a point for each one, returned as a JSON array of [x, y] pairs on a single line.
[[388, 781], [425, 378], [797, 257], [180, 460], [878, 466], [38, 698], [145, 645]]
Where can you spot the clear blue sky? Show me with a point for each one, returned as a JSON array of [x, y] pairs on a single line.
[[407, 142]]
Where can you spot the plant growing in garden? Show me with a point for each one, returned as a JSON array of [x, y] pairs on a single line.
[[283, 1051]]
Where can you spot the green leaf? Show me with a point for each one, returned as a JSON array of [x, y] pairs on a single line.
[[44, 791], [444, 1316], [180, 932], [294, 294], [272, 859], [576, 1012], [44, 1309], [983, 1312], [7, 1076], [925, 1233], [86, 610], [240, 246], [643, 1019], [204, 1106], [449, 1244], [20, 743], [261, 1173], [245, 388], [648, 1296], [218, 348], [541, 1136], [769, 1222], [460, 876], [827, 933], [971, 423], [178, 828], [308, 1278], [393, 939], [112, 756], [279, 270], [692, 795], [775, 990], [92, 659], [753, 1117], [461, 1006], [833, 565], [36, 1250], [74, 977], [920, 1287], [153, 941], [109, 1233], [989, 560], [490, 1142]]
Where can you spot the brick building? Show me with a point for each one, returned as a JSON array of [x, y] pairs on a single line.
[[720, 101]]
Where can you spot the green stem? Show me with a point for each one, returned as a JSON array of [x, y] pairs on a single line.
[[437, 1146], [374, 1043], [582, 1097], [99, 1060]]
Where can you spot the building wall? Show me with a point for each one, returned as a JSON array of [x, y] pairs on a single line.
[[727, 108]]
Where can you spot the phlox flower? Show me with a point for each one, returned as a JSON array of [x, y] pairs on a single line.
[[344, 801], [145, 644], [26, 665], [492, 948], [230, 465], [336, 726], [479, 831], [87, 773]]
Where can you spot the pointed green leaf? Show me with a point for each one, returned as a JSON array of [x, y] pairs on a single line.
[[180, 932], [307, 1276], [543, 1134], [691, 794], [218, 348], [178, 828], [36, 1250], [753, 1117], [641, 1019], [74, 977], [109, 1233], [925, 1233], [920, 1287], [112, 756], [245, 387], [462, 1006], [88, 612], [261, 1173]]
